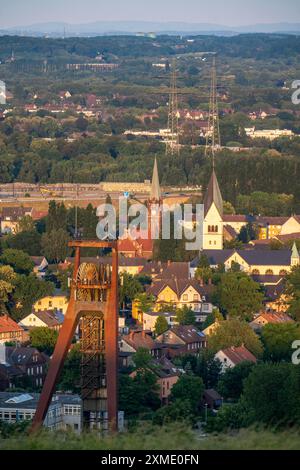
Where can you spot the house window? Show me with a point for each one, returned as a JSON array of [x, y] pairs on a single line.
[[185, 297], [269, 272], [196, 297]]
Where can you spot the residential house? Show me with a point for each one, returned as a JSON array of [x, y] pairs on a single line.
[[11, 216], [231, 357], [212, 399], [187, 339], [141, 339], [150, 318], [58, 303], [211, 328], [167, 375], [10, 331], [180, 293], [266, 318], [29, 361], [43, 318], [40, 265]]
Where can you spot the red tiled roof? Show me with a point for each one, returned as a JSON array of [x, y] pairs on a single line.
[[234, 218], [239, 354], [290, 236], [276, 317], [140, 339], [7, 325]]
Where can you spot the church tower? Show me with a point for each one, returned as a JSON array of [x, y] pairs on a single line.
[[295, 258], [154, 203], [213, 216]]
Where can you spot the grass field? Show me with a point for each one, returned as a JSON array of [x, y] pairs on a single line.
[[176, 437]]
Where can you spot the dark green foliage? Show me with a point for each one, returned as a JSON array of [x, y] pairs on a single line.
[[278, 339], [44, 339], [18, 260], [231, 382], [138, 395], [185, 316]]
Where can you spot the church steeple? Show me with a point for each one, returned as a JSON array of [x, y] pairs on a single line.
[[155, 194], [295, 258], [213, 195]]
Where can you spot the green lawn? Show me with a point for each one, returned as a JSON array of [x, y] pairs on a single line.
[[176, 437]]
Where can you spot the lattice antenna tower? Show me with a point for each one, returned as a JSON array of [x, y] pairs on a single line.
[[172, 144], [213, 139]]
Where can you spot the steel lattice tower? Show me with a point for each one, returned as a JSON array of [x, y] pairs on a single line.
[[172, 142], [213, 140], [94, 305]]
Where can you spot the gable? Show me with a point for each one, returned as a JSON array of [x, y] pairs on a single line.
[[167, 294], [213, 215], [237, 258], [290, 226]]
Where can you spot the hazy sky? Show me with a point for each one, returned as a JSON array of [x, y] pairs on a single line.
[[226, 12]]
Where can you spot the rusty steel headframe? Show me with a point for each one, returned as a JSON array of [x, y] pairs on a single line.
[[75, 311]]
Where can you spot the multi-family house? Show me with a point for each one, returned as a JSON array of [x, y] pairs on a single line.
[[10, 331], [187, 339], [180, 293], [11, 216]]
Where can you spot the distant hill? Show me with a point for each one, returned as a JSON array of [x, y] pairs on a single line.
[[58, 29]]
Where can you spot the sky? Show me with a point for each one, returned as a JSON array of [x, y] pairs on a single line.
[[223, 12]]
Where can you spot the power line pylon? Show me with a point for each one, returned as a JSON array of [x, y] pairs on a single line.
[[213, 140], [172, 142]]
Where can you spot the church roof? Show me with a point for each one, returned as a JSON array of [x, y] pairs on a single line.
[[213, 195], [155, 187]]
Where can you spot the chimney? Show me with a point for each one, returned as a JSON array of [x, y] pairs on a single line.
[[201, 282], [143, 334], [169, 262], [209, 281]]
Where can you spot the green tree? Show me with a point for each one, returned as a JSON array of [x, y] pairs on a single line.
[[70, 376], [44, 339], [236, 333], [232, 381], [161, 325], [18, 260], [211, 318], [129, 289], [185, 316], [178, 411], [28, 289], [142, 359], [188, 387], [26, 224], [237, 295], [7, 285], [144, 302], [209, 369], [139, 394], [271, 394], [55, 245], [278, 339], [293, 293], [29, 242]]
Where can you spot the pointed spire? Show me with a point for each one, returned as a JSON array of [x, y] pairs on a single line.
[[155, 187], [213, 195], [295, 252]]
